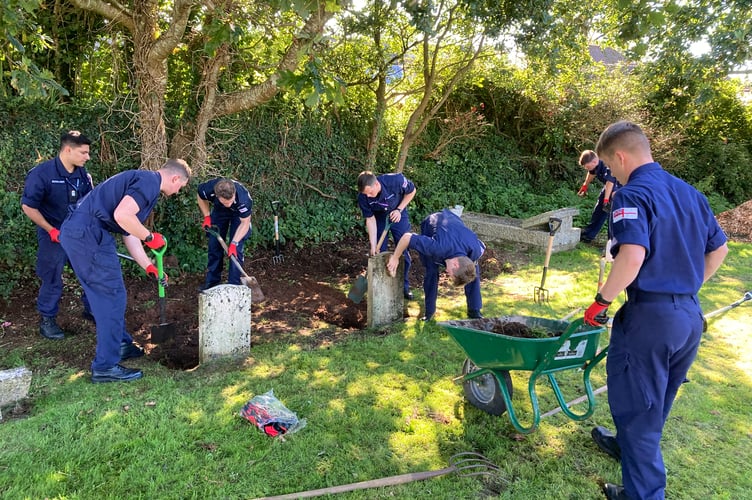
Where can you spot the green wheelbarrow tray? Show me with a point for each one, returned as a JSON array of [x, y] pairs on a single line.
[[491, 356]]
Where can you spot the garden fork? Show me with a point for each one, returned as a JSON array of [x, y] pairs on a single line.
[[278, 257], [465, 464]]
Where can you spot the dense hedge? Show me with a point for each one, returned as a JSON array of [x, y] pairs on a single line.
[[309, 161]]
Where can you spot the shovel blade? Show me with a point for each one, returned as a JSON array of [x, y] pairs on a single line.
[[358, 289], [257, 296], [162, 333]]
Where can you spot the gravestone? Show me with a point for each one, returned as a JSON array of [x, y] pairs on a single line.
[[14, 385], [224, 322], [532, 231], [386, 301]]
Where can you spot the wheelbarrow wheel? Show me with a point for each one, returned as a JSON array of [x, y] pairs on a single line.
[[484, 392]]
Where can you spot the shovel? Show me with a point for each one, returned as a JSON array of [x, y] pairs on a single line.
[[540, 294], [164, 331], [747, 296], [257, 296], [360, 286]]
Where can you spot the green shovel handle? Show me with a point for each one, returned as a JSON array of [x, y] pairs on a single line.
[[158, 254]]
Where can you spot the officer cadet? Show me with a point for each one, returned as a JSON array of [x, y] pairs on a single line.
[[379, 197], [120, 204], [231, 206], [52, 188], [444, 240], [666, 244], [596, 169]]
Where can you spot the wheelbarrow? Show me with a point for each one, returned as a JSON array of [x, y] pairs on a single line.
[[485, 377]]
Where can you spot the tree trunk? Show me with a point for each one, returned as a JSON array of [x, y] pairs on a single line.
[[377, 123], [151, 78]]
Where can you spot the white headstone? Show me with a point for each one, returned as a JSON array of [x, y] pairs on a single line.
[[224, 322]]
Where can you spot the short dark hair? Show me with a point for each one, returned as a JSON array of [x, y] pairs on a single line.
[[365, 179], [465, 271], [587, 156], [73, 138], [623, 134], [225, 189]]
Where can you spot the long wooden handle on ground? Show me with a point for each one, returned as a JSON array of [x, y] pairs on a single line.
[[464, 464]]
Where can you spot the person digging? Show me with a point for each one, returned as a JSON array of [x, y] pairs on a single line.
[[445, 241], [226, 205]]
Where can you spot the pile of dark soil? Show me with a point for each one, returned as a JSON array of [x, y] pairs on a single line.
[[306, 304], [737, 223]]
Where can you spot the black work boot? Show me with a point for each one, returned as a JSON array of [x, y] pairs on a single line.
[[606, 441], [474, 314], [614, 492], [48, 329]]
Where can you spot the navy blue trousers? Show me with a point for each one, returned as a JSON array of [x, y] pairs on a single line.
[[397, 229], [654, 341], [597, 219], [51, 260], [93, 255], [431, 288], [216, 255]]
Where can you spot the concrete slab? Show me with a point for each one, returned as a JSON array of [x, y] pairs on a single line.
[[14, 385], [224, 322], [532, 231], [386, 301]]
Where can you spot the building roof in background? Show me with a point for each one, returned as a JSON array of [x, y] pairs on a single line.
[[606, 56]]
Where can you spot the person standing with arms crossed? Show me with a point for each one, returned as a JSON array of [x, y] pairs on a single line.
[[596, 169], [51, 190], [121, 205], [444, 240], [227, 205], [381, 197], [667, 243]]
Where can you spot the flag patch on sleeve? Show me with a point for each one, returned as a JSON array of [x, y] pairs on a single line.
[[624, 213]]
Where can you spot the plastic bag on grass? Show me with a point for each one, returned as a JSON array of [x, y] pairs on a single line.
[[269, 414]]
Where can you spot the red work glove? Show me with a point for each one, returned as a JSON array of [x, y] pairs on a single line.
[[232, 250], [582, 191], [595, 315], [207, 222], [157, 241], [54, 235], [606, 205], [151, 270]]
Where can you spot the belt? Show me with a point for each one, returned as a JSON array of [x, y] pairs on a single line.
[[640, 296]]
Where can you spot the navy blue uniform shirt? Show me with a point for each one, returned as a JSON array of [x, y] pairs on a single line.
[[53, 191], [647, 202], [603, 174], [444, 236], [141, 185], [393, 188], [242, 206]]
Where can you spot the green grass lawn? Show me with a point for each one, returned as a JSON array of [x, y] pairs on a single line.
[[378, 404]]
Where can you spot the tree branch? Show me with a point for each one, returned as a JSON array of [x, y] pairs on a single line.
[[111, 10], [165, 44], [263, 92]]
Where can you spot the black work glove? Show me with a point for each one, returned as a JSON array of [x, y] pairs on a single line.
[[606, 206]]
